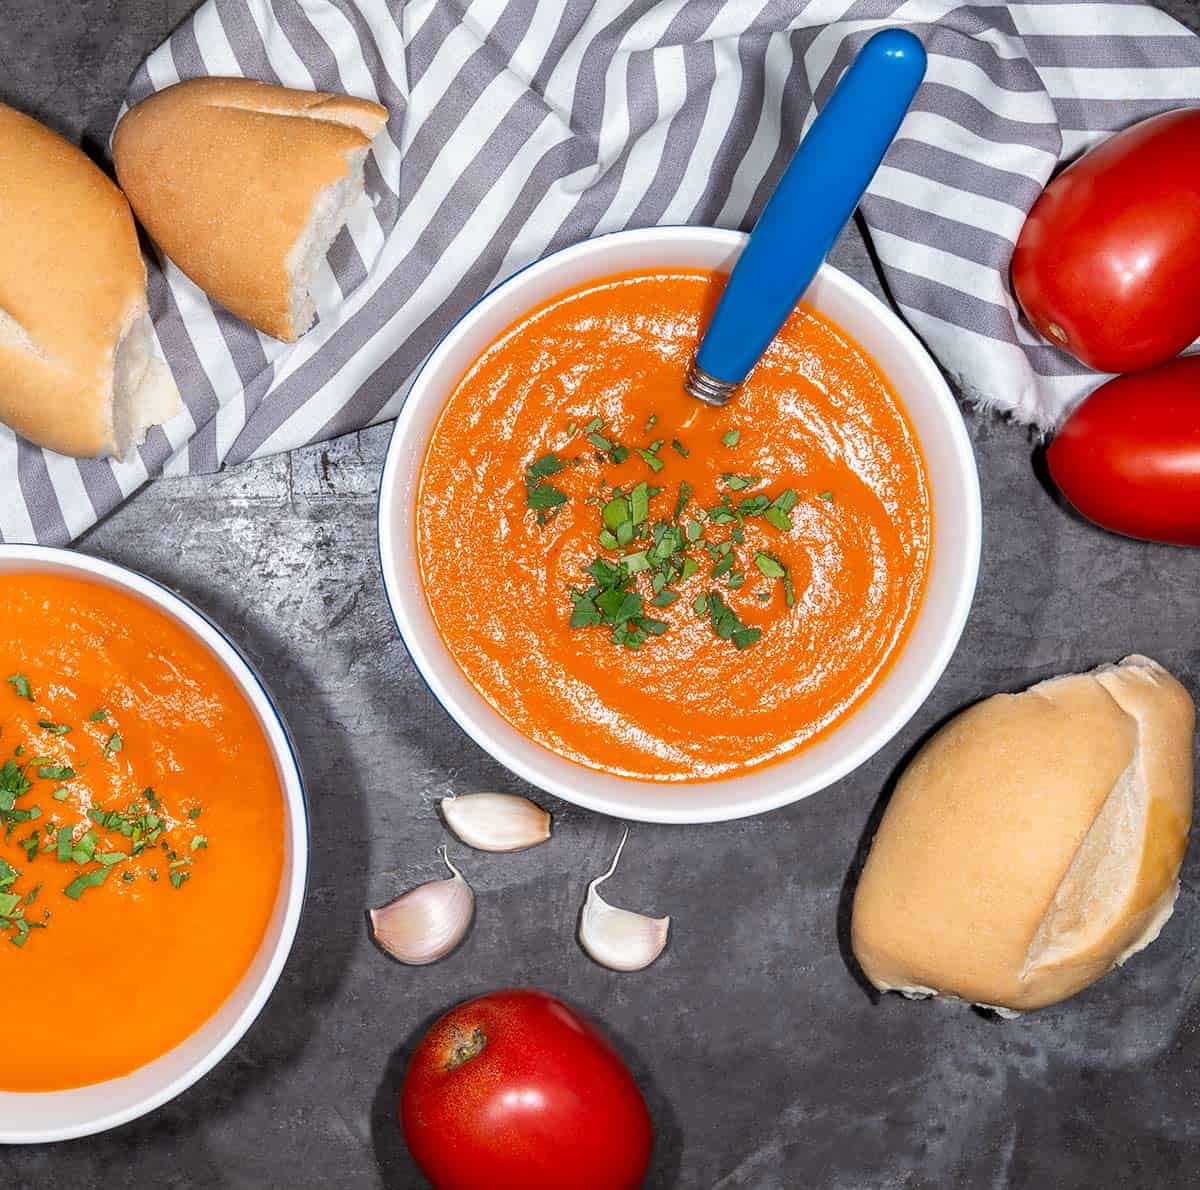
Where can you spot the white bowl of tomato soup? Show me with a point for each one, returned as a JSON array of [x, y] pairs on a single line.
[[656, 609], [153, 844]]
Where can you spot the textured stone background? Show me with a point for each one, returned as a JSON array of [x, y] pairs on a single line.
[[765, 1063]]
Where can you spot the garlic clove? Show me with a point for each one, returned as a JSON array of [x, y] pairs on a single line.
[[496, 821], [620, 938], [427, 922]]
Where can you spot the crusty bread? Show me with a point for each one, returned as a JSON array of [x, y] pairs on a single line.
[[1033, 843], [244, 185], [77, 368]]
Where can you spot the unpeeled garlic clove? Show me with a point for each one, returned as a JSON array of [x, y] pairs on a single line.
[[427, 922], [496, 821], [619, 938]]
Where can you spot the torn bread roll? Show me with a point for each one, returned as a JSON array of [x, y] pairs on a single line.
[[1034, 842], [245, 185], [78, 369]]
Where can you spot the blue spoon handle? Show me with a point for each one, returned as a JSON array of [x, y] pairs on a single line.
[[811, 204]]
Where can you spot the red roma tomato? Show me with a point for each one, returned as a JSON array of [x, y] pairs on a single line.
[[1107, 265], [1129, 457], [516, 1091]]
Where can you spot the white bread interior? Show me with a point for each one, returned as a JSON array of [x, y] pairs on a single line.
[[1034, 843], [78, 369], [245, 185], [330, 210], [144, 391]]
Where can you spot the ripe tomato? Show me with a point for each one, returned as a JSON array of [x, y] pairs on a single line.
[[516, 1091], [1129, 457], [1107, 265]]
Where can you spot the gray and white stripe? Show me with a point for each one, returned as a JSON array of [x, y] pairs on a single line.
[[520, 126]]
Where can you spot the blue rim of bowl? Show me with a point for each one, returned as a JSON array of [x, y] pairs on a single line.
[[964, 600], [220, 1052]]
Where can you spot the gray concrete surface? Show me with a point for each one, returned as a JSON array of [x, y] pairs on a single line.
[[765, 1063]]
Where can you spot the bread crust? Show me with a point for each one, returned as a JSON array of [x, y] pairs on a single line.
[[72, 282], [959, 891], [223, 174]]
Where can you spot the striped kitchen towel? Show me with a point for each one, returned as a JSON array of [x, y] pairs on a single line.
[[520, 126]]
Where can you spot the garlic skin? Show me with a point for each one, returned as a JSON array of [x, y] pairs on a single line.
[[427, 922], [619, 938], [496, 821]]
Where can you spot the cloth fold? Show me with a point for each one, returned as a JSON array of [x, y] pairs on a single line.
[[520, 126]]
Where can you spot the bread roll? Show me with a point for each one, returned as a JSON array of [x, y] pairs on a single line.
[[77, 368], [1033, 843], [245, 185]]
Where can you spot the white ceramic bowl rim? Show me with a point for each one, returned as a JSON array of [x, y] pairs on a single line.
[[954, 555], [43, 1117]]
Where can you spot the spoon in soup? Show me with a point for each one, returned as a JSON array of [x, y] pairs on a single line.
[[810, 205]]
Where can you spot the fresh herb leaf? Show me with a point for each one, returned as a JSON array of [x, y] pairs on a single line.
[[827, 496], [730, 437], [652, 460], [81, 884], [20, 683], [745, 637], [55, 772], [685, 494], [545, 496], [769, 566], [616, 512], [98, 716], [679, 448], [54, 728], [639, 503], [543, 468]]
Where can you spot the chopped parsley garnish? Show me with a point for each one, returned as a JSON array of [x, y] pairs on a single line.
[[55, 772], [827, 496], [86, 880], [98, 716], [776, 513], [20, 683], [726, 624], [650, 455], [644, 558], [540, 495], [54, 728], [143, 823]]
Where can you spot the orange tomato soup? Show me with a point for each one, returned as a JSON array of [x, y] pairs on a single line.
[[141, 824], [812, 598]]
